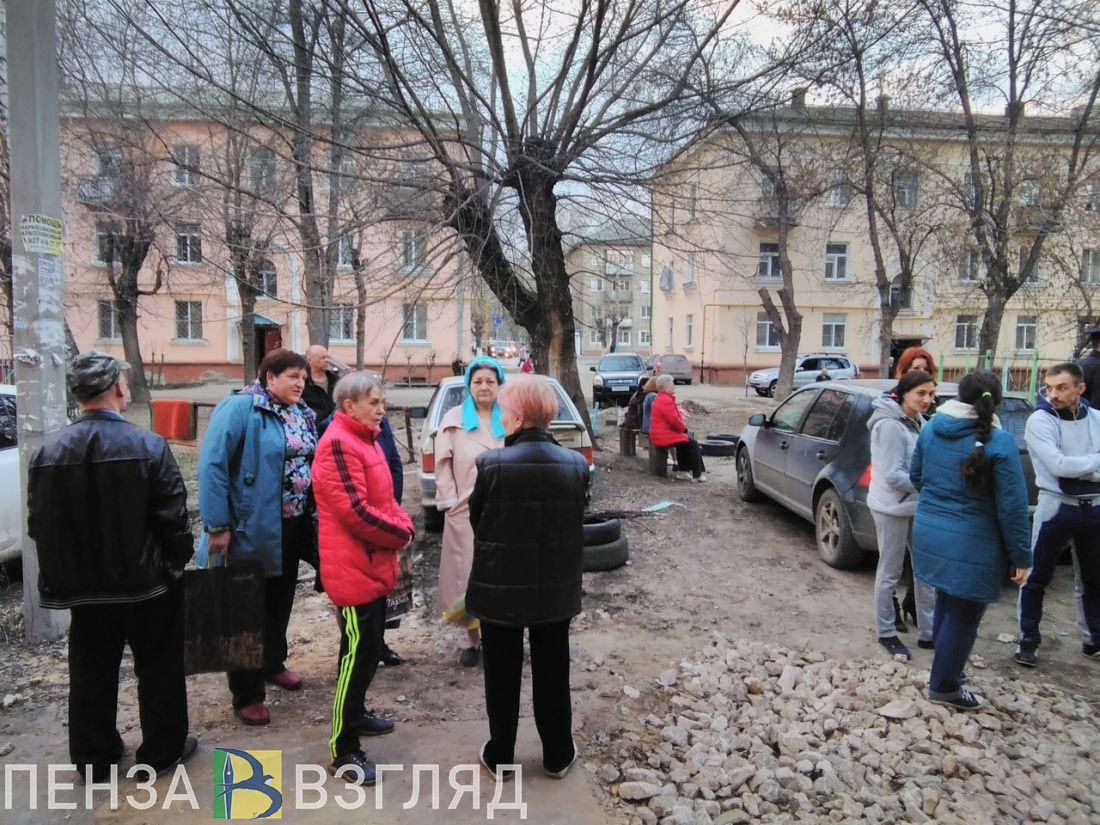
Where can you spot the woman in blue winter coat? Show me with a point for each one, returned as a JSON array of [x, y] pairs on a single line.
[[971, 519]]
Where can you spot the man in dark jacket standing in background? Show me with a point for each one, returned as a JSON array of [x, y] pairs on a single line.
[[1090, 366], [107, 509]]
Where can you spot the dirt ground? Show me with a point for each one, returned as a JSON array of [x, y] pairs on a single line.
[[707, 563]]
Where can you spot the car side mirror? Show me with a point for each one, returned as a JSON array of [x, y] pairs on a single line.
[[591, 369], [417, 413], [758, 420]]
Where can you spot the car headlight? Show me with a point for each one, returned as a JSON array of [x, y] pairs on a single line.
[[597, 381]]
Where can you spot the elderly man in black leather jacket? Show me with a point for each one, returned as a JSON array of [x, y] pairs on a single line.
[[107, 509], [527, 510]]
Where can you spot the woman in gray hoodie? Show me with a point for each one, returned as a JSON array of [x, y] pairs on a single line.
[[895, 424]]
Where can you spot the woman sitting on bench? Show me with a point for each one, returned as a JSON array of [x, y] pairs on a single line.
[[667, 429]]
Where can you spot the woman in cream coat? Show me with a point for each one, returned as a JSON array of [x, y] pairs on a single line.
[[466, 431]]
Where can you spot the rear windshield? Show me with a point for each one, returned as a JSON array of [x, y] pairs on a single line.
[[674, 359], [454, 395], [620, 363]]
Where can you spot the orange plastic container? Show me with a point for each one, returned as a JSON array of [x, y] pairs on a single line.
[[172, 418]]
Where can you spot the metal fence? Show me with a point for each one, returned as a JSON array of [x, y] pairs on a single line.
[[1019, 372]]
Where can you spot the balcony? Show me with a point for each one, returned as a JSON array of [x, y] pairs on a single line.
[[97, 191], [767, 214], [1035, 219], [619, 296], [414, 201], [614, 270]]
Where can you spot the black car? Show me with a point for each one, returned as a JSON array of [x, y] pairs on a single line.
[[813, 456], [617, 377]]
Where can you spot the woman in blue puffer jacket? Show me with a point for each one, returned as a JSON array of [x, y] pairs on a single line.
[[971, 520]]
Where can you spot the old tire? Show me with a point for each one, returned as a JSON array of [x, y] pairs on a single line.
[[601, 530], [715, 447], [746, 487], [731, 437], [606, 556], [833, 530], [433, 519]]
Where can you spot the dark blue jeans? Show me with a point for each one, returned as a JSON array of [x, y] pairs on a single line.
[[1082, 525], [954, 629]]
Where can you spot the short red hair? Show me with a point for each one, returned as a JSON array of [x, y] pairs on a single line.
[[905, 362], [531, 398]]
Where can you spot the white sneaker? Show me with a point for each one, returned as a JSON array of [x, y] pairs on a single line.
[[683, 476], [701, 478], [561, 774]]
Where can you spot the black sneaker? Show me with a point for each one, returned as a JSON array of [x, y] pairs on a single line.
[[1091, 651], [926, 644], [470, 657], [351, 766], [1027, 654], [894, 645], [371, 725], [964, 701], [501, 775], [190, 745]]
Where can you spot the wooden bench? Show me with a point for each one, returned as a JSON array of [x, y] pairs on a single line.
[[658, 461], [628, 441]]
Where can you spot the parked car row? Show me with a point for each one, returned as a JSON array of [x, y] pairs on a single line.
[[812, 454]]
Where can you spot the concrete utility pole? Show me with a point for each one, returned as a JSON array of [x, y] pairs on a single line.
[[39, 310]]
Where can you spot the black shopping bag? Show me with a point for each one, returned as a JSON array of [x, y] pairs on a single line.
[[223, 614]]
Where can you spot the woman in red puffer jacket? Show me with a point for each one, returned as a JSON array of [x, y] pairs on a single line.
[[667, 429], [360, 530]]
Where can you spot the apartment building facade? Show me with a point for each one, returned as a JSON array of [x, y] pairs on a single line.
[[717, 245], [611, 279]]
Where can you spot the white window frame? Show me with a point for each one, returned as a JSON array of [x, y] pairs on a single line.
[[834, 331], [341, 320], [840, 193], [191, 319], [693, 195], [189, 243], [108, 162], [644, 311], [1090, 267], [906, 186], [186, 159], [895, 290], [643, 338], [970, 266], [836, 262], [624, 336], [1092, 197], [689, 275], [643, 286], [769, 259], [268, 281], [1029, 193], [103, 231], [417, 313], [764, 325], [596, 285], [262, 169], [671, 329], [689, 331], [114, 328], [595, 337], [412, 249], [968, 326], [343, 253], [622, 285], [1027, 332]]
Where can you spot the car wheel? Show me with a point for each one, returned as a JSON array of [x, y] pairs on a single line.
[[606, 556], [833, 529], [601, 530], [761, 393], [746, 487], [771, 389], [433, 519], [715, 447]]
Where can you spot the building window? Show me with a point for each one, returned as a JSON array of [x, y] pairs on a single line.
[[594, 337], [669, 344], [188, 243], [693, 193], [1090, 267], [108, 162], [261, 170], [832, 329], [689, 276], [345, 259], [189, 320], [836, 262], [412, 250], [268, 280], [901, 298], [906, 188], [1026, 326], [622, 285], [618, 262], [596, 285], [1092, 196], [341, 322], [185, 156], [966, 332], [624, 336], [643, 337], [108, 320], [1028, 193], [767, 336], [970, 266], [414, 326], [768, 268], [1033, 275], [645, 312], [840, 191], [690, 331], [643, 285], [969, 192], [106, 241]]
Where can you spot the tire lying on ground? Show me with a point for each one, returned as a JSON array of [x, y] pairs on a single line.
[[731, 437], [606, 556], [711, 446], [601, 530]]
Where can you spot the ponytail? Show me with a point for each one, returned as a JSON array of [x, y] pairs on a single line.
[[982, 391]]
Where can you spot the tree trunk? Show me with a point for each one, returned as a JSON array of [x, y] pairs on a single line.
[[248, 332], [360, 315], [990, 331], [131, 346]]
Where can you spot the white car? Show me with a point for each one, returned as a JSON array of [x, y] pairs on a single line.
[[11, 527], [567, 427], [806, 371]]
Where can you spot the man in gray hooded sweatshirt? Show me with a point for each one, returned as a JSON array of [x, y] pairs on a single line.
[[1063, 438]]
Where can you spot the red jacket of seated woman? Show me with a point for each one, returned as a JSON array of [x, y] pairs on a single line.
[[360, 526], [666, 427]]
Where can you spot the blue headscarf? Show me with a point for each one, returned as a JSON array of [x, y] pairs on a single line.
[[469, 406]]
